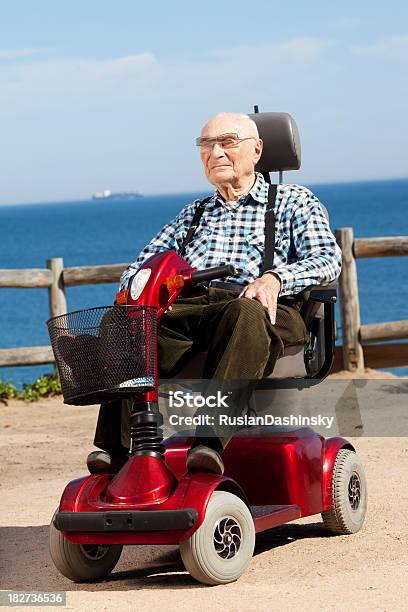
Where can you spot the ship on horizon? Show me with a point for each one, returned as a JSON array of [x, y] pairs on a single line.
[[107, 194]]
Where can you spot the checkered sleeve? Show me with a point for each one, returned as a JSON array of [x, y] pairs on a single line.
[[318, 256], [169, 237]]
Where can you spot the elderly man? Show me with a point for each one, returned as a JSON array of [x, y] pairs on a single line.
[[242, 325]]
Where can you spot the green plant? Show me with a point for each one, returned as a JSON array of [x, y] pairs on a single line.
[[45, 386], [7, 391]]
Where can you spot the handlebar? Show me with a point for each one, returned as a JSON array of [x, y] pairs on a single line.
[[202, 276]]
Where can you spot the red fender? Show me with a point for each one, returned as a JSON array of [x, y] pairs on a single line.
[[193, 491]]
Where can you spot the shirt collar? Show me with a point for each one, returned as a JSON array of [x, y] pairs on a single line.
[[257, 194]]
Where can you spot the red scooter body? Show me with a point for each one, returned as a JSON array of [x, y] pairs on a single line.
[[281, 476]]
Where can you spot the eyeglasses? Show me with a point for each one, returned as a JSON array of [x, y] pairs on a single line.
[[226, 141]]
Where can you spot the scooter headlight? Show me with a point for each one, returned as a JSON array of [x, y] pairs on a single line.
[[139, 282]]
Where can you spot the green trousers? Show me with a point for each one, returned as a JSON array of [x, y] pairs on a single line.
[[241, 344]]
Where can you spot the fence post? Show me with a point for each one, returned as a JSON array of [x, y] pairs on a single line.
[[56, 292], [353, 357]]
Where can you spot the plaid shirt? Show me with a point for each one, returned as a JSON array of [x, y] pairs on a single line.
[[306, 252]]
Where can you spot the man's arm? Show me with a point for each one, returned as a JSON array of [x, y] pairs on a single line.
[[169, 237], [318, 258], [317, 253]]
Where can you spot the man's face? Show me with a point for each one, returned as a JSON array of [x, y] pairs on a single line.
[[230, 166]]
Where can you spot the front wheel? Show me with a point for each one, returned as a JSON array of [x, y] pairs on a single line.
[[82, 562], [222, 547], [349, 494]]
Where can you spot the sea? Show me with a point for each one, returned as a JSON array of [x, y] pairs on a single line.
[[92, 232]]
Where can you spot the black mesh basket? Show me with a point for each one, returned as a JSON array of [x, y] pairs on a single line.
[[104, 353]]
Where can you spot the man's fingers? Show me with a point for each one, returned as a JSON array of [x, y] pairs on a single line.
[[267, 302], [264, 297], [251, 291], [272, 307], [272, 311]]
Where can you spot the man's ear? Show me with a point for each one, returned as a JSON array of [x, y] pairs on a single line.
[[258, 150]]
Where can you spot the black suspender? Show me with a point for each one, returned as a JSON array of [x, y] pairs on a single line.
[[194, 224], [269, 250], [269, 227]]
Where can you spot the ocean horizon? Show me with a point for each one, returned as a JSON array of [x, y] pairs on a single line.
[[92, 232], [311, 185]]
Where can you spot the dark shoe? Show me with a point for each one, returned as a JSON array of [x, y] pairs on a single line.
[[101, 462], [204, 459]]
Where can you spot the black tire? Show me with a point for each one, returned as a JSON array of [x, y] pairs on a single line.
[[222, 547], [82, 562], [349, 495]]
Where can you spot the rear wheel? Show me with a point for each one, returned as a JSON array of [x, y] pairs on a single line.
[[82, 562], [222, 547], [349, 494]]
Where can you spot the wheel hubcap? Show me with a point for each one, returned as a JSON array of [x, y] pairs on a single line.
[[94, 551], [227, 537], [354, 491]]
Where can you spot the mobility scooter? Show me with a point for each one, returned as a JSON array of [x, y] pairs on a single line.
[[272, 476]]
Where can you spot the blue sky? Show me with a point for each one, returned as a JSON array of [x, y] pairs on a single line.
[[103, 94]]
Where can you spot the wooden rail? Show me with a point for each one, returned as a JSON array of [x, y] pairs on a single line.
[[54, 278], [34, 277], [93, 275], [34, 355], [380, 247], [357, 351], [396, 330]]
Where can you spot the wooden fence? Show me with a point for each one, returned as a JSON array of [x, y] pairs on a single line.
[[54, 278], [357, 351]]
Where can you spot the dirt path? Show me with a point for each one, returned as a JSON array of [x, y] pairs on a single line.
[[44, 445]]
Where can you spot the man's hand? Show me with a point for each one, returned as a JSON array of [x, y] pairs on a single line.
[[266, 290]]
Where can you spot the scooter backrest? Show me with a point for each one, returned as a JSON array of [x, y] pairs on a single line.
[[281, 142]]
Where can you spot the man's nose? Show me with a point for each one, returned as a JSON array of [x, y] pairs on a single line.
[[217, 150]]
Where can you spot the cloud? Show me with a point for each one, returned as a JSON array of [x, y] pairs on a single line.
[[10, 54], [344, 24], [71, 127], [141, 79], [296, 51], [71, 84], [392, 47]]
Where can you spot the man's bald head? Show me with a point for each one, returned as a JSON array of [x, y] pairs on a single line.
[[230, 166], [237, 123]]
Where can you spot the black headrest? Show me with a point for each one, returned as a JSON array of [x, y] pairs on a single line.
[[281, 150]]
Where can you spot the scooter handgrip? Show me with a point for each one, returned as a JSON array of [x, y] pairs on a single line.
[[202, 276]]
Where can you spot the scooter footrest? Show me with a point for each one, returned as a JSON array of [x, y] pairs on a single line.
[[120, 520], [267, 517]]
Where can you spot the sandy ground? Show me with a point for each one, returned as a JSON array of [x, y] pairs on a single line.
[[367, 374], [44, 445]]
